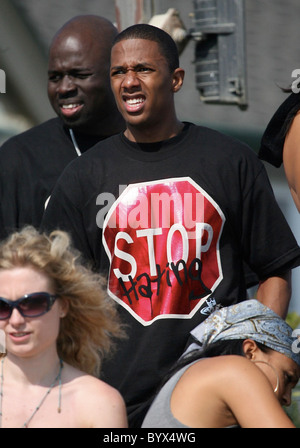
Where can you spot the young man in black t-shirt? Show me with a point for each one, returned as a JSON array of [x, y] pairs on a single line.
[[169, 211]]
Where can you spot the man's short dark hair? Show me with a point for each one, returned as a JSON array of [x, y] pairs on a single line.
[[165, 42]]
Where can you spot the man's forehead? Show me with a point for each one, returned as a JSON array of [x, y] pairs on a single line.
[[137, 41], [136, 50], [77, 52], [72, 43]]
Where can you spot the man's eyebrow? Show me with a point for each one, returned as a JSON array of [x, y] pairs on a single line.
[[116, 66], [144, 64], [136, 66], [72, 70]]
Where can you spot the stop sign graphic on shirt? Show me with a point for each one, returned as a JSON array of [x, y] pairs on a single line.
[[162, 239]]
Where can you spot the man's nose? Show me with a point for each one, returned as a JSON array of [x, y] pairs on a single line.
[[66, 85], [130, 79]]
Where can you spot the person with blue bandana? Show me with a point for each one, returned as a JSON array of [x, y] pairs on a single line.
[[238, 371]]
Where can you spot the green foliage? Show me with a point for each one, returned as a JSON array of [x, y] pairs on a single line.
[[293, 319]]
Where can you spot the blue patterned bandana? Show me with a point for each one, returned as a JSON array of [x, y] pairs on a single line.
[[248, 320]]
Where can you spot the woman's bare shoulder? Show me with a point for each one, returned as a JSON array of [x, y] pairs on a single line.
[[101, 404], [234, 389], [224, 374], [220, 364], [83, 383]]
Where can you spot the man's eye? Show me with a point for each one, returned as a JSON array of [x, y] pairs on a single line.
[[82, 75], [117, 72], [54, 77]]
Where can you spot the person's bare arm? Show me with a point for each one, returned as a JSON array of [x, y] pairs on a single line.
[[291, 159], [275, 292], [250, 398]]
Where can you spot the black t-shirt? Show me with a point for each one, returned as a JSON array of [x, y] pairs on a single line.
[[30, 164], [171, 227]]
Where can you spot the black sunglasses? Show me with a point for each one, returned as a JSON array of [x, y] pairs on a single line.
[[30, 305]]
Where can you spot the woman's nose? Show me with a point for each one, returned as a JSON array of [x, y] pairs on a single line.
[[286, 398], [16, 317]]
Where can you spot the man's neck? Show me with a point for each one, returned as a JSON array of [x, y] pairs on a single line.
[[141, 135]]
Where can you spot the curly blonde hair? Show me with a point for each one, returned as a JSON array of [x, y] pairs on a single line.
[[91, 324]]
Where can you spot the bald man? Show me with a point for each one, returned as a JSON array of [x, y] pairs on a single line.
[[80, 94]]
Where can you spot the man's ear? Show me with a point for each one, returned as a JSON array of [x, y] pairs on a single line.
[[250, 348], [178, 77]]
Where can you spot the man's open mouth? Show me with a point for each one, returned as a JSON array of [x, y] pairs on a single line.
[[70, 109], [134, 104]]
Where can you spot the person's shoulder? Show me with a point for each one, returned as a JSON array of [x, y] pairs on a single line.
[[96, 389], [236, 371], [52, 123], [97, 403], [32, 136], [93, 159], [102, 149], [226, 376], [233, 363], [227, 143], [229, 365]]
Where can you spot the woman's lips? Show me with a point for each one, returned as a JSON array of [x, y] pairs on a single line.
[[19, 336]]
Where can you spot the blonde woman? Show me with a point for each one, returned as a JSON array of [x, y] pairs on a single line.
[[58, 324]]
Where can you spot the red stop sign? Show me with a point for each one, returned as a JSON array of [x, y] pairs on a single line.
[[162, 239]]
